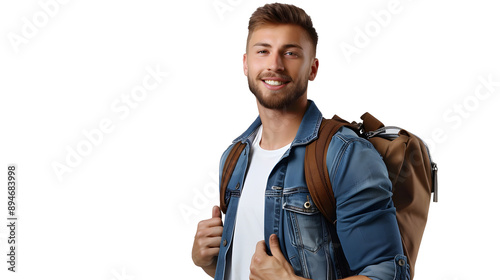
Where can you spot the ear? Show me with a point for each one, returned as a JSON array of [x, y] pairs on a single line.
[[314, 70], [245, 64]]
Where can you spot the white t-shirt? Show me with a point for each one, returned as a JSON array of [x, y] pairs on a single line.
[[249, 227]]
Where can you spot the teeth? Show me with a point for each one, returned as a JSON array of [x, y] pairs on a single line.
[[273, 82]]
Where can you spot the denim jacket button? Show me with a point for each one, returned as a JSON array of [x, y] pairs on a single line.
[[401, 262], [237, 186], [224, 243]]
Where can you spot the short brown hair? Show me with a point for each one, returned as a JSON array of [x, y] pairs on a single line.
[[278, 13]]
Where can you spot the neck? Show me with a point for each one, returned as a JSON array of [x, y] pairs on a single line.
[[279, 126]]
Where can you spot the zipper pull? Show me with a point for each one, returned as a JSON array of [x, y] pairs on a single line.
[[435, 181]]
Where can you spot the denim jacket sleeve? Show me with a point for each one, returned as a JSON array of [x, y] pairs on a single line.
[[366, 217]]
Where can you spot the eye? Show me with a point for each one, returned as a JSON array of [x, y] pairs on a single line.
[[292, 54], [262, 52]]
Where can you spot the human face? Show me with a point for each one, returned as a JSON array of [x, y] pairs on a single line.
[[279, 63]]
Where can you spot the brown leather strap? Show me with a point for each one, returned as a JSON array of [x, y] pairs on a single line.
[[316, 171], [227, 171], [370, 123]]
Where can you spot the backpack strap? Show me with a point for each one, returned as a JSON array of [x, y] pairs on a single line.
[[227, 172], [370, 123], [316, 172]]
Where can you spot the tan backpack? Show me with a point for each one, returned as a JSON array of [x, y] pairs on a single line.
[[410, 167], [408, 161]]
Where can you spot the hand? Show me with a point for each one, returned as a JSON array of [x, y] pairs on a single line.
[[207, 242], [265, 267]]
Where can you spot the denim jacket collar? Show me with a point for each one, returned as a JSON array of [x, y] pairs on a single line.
[[308, 129]]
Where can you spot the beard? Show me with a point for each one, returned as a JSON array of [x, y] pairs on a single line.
[[280, 99]]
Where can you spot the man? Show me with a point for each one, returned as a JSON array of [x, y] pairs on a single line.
[[267, 197]]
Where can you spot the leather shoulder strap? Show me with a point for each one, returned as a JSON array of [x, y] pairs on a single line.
[[227, 171], [370, 123], [316, 171]]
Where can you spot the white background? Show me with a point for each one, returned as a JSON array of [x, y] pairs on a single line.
[[129, 207]]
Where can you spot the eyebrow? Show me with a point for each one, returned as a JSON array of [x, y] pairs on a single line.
[[287, 46]]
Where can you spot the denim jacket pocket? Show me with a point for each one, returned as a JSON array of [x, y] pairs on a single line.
[[305, 222]]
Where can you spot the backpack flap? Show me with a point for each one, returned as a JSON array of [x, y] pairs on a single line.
[[370, 123]]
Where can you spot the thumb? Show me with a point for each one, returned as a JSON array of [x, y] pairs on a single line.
[[216, 212], [274, 245]]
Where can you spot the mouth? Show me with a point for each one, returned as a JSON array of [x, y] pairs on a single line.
[[275, 83]]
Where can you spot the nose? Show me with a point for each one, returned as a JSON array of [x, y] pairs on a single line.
[[275, 62]]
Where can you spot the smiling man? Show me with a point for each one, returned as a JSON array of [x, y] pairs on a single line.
[[272, 228]]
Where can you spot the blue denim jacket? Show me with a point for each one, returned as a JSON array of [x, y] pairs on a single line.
[[366, 218]]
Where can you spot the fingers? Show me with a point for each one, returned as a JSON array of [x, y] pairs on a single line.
[[207, 239], [258, 258], [264, 266], [205, 256], [210, 237], [274, 245], [216, 219], [209, 228], [206, 244], [261, 247], [216, 212]]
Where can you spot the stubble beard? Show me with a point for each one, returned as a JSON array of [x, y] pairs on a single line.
[[281, 99]]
